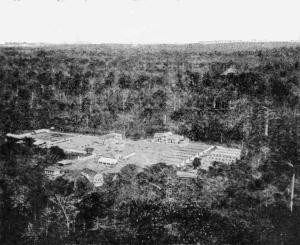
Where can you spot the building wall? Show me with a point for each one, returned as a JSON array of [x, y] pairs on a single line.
[[98, 180], [168, 138]]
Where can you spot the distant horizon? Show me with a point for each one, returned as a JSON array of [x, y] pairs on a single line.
[[145, 22], [145, 44]]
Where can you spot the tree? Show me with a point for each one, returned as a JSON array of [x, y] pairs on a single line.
[[196, 163], [124, 81], [57, 152]]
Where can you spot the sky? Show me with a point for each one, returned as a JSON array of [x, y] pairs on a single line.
[[148, 21]]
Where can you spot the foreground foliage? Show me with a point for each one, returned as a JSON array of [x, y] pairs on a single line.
[[224, 205]]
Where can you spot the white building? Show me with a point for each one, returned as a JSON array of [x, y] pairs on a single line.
[[18, 136], [95, 178], [75, 151], [107, 161], [221, 154], [43, 130], [161, 137], [53, 172], [168, 138], [98, 180], [175, 139]]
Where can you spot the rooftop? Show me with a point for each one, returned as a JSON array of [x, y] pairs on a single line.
[[89, 172], [107, 160], [52, 168], [187, 174], [163, 134], [230, 70]]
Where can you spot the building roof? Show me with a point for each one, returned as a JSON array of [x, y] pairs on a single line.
[[221, 154], [163, 134], [230, 70], [98, 175], [89, 172], [18, 136], [38, 142], [43, 130], [185, 174], [108, 160], [98, 180], [227, 151], [52, 168], [65, 161]]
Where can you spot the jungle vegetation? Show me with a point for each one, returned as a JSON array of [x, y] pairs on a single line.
[[247, 98]]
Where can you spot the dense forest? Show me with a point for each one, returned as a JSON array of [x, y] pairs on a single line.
[[247, 97], [138, 92]]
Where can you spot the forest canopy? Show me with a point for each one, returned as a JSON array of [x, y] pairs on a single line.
[[247, 98]]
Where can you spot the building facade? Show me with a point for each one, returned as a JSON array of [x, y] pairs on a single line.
[[221, 154], [108, 161], [168, 138], [53, 172]]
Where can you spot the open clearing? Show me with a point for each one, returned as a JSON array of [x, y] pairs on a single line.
[[142, 153]]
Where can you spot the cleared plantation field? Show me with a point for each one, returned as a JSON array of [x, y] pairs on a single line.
[[94, 165], [141, 152], [52, 137], [148, 153], [80, 142]]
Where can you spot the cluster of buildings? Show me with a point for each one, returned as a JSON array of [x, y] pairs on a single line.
[[53, 172], [77, 149], [95, 177], [95, 156]]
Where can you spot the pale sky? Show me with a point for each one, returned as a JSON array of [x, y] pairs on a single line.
[[148, 21]]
